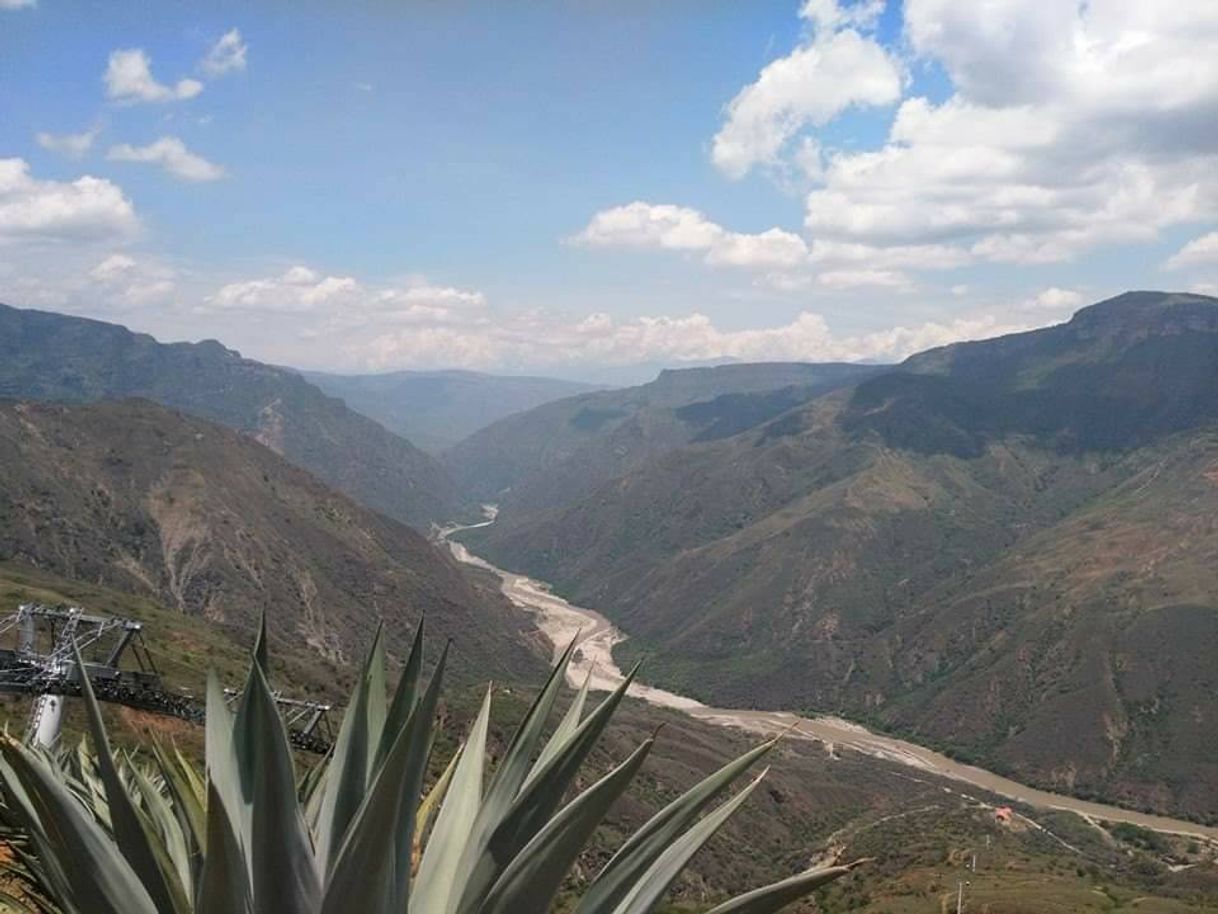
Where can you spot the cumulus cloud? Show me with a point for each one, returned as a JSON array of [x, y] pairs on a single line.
[[1055, 299], [227, 55], [129, 80], [1201, 251], [171, 154], [1071, 126], [127, 283], [344, 321], [778, 256], [537, 339], [782, 259], [837, 68], [86, 209], [341, 300], [72, 145]]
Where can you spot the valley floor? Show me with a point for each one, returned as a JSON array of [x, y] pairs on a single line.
[[560, 621]]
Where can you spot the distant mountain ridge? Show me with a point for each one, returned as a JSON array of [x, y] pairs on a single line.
[[57, 357], [138, 497], [1007, 547], [551, 454], [436, 409]]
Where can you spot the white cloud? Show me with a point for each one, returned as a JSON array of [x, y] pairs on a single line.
[[340, 300], [369, 326], [679, 228], [538, 339], [226, 55], [300, 289], [1199, 251], [170, 153], [127, 283], [82, 210], [852, 279], [1055, 299], [72, 145], [641, 224], [1072, 126], [786, 261], [17, 4], [837, 68], [129, 80], [112, 268]]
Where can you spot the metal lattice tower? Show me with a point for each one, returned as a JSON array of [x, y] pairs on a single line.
[[42, 664]]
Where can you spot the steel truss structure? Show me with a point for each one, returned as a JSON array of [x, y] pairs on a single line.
[[41, 663]]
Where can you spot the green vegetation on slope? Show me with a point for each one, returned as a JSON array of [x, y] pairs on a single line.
[[200, 518], [46, 356], [1005, 548], [919, 832], [564, 450]]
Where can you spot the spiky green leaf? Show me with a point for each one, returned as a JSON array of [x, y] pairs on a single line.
[[532, 879]]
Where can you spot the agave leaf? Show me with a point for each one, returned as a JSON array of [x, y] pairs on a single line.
[[284, 878], [261, 647], [100, 880], [643, 847], [514, 767], [172, 849], [428, 806], [223, 773], [131, 833], [18, 812], [96, 799], [311, 791], [372, 872], [375, 711], [775, 897], [347, 775], [433, 887], [183, 785], [404, 698], [224, 883], [649, 888], [532, 809], [190, 775], [534, 876], [566, 727]]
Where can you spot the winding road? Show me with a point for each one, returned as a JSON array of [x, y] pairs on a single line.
[[560, 621]]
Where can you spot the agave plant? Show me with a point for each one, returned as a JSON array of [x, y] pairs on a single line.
[[103, 833]]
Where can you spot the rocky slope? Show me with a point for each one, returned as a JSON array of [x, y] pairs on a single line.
[[1006, 548], [46, 356], [144, 499]]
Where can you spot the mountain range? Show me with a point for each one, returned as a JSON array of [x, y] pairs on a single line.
[[46, 356], [436, 409], [1006, 548], [558, 451], [143, 499]]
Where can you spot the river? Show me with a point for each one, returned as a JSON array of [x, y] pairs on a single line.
[[560, 621]]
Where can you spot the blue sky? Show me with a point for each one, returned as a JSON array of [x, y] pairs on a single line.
[[574, 187]]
